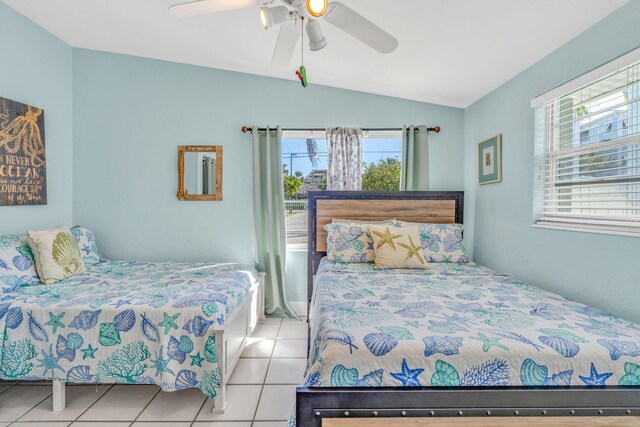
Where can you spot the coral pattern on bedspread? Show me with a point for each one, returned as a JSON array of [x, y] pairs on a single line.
[[124, 322], [459, 325]]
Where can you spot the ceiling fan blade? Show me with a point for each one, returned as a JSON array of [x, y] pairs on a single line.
[[287, 41], [203, 7], [351, 22]]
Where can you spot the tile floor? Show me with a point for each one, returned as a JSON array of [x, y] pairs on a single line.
[[260, 393]]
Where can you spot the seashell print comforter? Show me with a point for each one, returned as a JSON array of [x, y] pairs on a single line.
[[459, 325], [123, 322]]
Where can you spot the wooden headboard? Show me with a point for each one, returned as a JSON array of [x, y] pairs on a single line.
[[440, 207]]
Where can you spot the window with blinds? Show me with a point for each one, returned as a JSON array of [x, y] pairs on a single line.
[[588, 154]]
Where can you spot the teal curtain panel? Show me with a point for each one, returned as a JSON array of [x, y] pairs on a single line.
[[269, 219], [415, 159]]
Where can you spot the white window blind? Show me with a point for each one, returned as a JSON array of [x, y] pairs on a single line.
[[588, 156]]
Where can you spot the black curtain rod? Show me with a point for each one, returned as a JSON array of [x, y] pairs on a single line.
[[247, 129]]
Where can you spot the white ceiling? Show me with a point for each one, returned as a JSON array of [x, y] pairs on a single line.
[[451, 52]]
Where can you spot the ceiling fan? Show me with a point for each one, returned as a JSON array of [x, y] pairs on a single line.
[[293, 13]]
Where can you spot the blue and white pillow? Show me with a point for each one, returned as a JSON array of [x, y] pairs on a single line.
[[442, 242], [87, 244], [350, 241], [17, 266]]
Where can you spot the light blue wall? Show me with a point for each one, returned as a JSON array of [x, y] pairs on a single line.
[[600, 270], [36, 69], [130, 115]]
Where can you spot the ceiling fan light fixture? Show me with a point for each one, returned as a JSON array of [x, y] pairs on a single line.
[[271, 16], [317, 40], [317, 8]]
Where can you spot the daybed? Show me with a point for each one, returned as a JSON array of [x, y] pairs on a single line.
[[177, 325], [456, 340]]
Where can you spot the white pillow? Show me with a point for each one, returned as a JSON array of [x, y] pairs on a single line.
[[57, 254], [397, 247]]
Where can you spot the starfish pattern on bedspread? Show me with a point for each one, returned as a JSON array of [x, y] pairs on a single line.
[[488, 342], [169, 322], [408, 377], [160, 364], [55, 321], [596, 379], [89, 352], [197, 360]]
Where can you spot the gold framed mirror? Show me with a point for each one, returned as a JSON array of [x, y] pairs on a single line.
[[200, 172]]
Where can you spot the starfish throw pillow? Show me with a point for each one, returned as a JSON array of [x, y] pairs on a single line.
[[397, 247]]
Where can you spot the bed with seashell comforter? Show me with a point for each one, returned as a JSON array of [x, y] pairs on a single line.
[[458, 340], [459, 325], [124, 322]]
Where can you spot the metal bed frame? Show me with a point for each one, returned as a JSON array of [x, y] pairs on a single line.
[[315, 404]]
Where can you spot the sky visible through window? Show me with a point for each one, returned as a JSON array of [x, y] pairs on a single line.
[[295, 158]]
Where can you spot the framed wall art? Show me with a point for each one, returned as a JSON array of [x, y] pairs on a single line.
[[23, 164], [490, 160]]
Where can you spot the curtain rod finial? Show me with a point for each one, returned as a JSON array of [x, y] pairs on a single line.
[[246, 129], [436, 129]]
